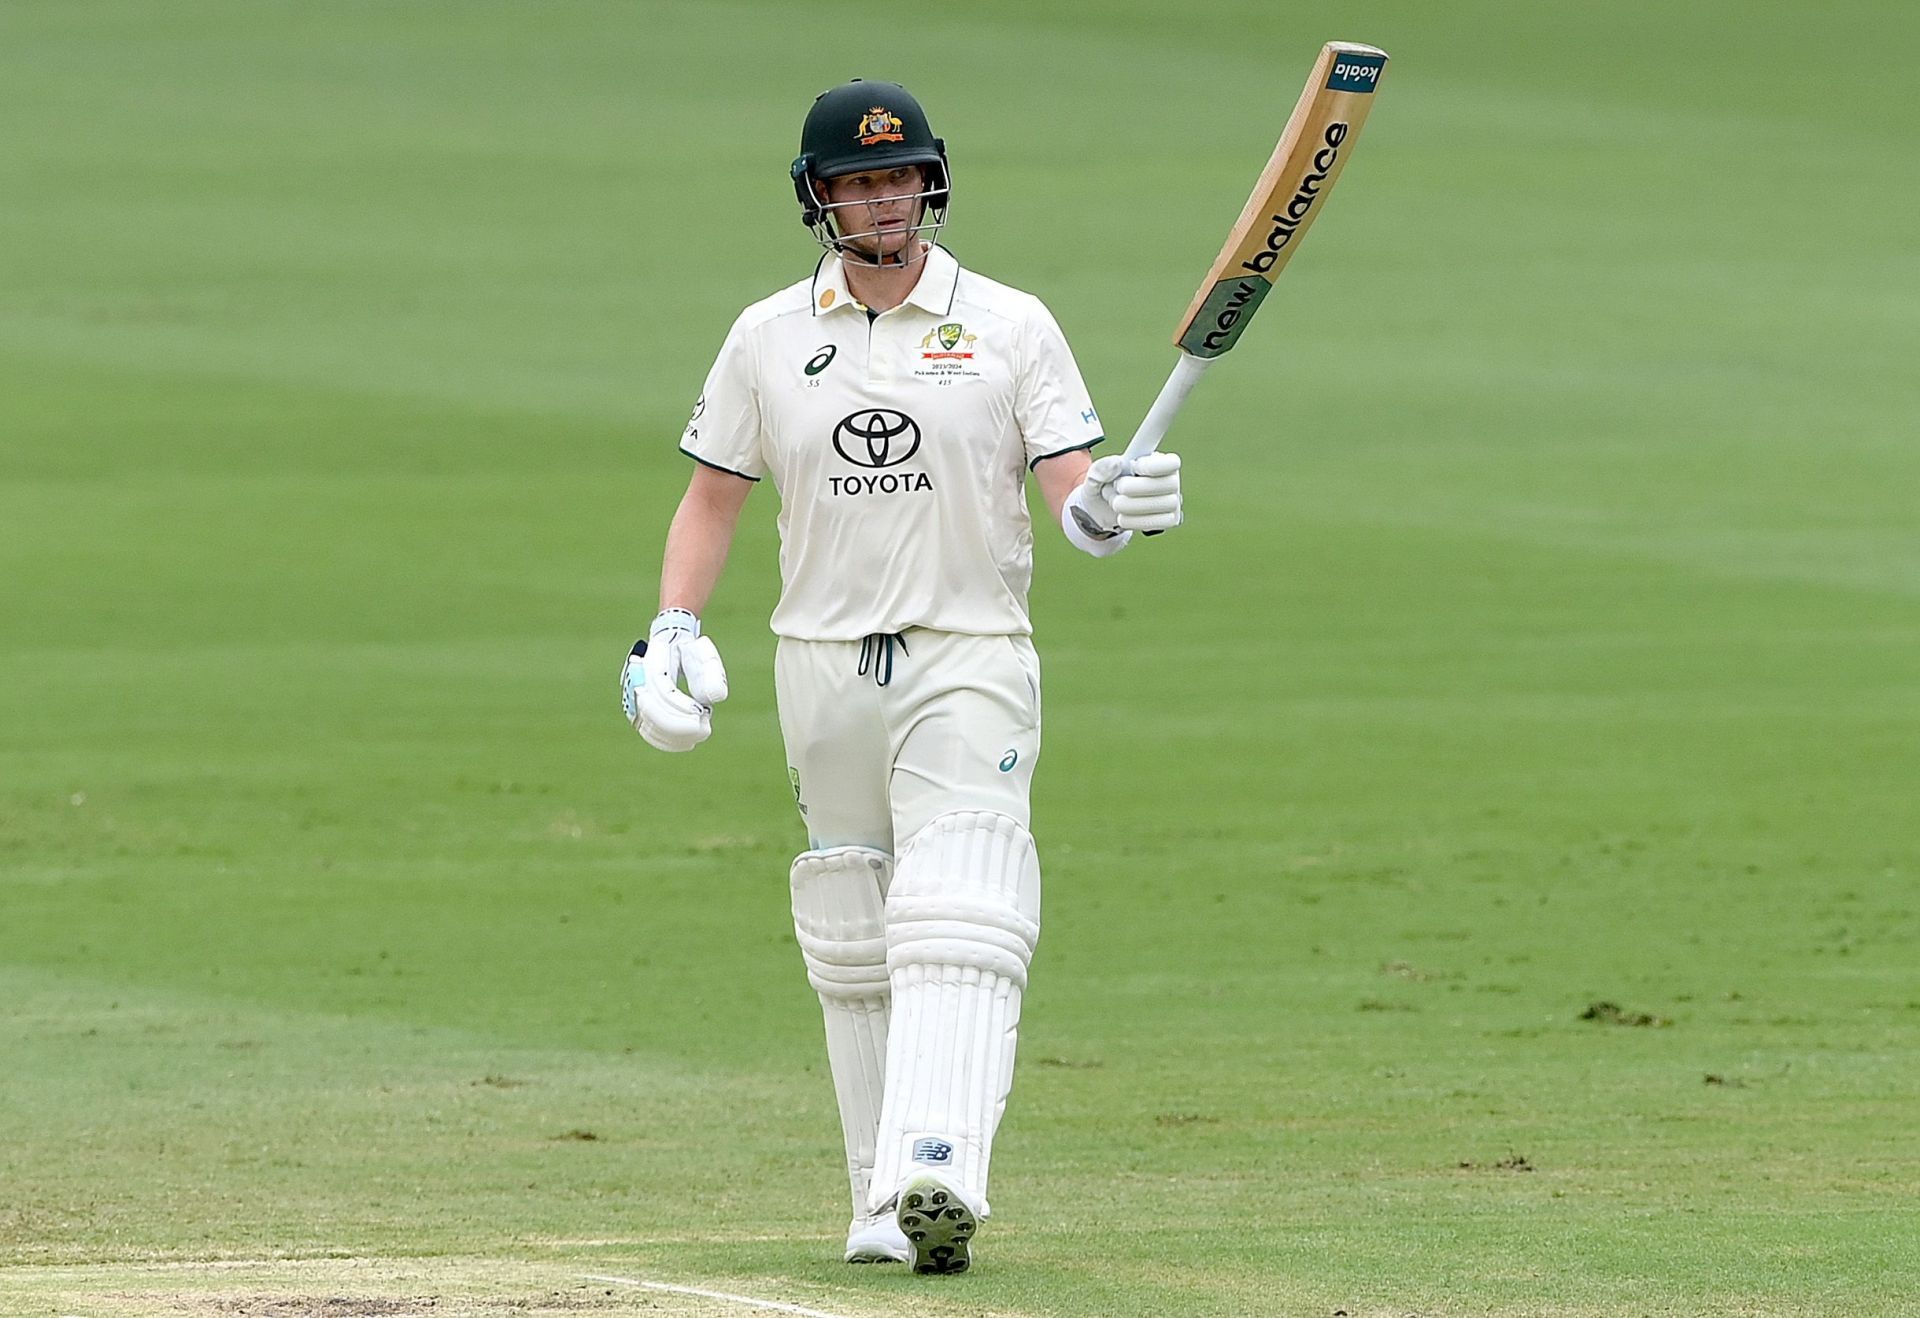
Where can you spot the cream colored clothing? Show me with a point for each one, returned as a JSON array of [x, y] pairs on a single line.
[[900, 446], [886, 734]]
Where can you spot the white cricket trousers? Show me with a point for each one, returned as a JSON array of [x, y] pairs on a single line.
[[886, 734]]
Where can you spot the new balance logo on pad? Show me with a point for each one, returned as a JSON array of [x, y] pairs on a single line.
[[932, 1151]]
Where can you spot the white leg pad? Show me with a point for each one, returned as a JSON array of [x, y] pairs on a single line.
[[963, 916], [839, 917]]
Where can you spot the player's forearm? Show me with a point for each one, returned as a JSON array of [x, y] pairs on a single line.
[[698, 541], [1059, 477]]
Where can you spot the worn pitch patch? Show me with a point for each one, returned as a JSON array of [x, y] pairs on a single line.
[[367, 1288]]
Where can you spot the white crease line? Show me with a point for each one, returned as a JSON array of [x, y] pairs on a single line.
[[178, 1265], [775, 1306]]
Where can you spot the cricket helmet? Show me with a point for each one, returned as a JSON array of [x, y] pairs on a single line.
[[862, 125]]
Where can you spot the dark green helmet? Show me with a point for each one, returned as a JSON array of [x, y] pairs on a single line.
[[863, 125]]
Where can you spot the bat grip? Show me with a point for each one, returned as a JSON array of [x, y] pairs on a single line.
[[1153, 428]]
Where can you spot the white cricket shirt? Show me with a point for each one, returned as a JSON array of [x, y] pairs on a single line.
[[900, 445]]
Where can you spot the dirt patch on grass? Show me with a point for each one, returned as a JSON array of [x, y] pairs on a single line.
[[358, 1288], [1612, 1013], [1513, 1162], [177, 1302], [588, 1298], [333, 1306]]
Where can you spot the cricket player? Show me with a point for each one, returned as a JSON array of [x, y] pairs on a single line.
[[898, 402]]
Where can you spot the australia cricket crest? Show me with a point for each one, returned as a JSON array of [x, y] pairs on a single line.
[[947, 350], [879, 124]]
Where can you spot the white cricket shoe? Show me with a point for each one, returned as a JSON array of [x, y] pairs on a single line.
[[876, 1238], [937, 1223]]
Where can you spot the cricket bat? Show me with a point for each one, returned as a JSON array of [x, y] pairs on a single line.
[[1290, 195]]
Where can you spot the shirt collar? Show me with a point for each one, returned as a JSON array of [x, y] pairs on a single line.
[[933, 292]]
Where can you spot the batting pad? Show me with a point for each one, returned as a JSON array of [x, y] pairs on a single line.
[[839, 917], [962, 920]]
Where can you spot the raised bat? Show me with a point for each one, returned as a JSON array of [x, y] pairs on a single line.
[[1290, 195]]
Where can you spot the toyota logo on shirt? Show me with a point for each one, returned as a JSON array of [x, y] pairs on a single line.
[[877, 437]]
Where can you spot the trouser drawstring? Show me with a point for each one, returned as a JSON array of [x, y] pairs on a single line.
[[876, 652]]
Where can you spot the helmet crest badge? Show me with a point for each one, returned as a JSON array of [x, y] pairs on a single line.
[[879, 125]]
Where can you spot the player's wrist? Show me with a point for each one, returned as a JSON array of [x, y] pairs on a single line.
[[674, 620]]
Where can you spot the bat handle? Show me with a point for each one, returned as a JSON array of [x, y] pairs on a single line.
[[1153, 428]]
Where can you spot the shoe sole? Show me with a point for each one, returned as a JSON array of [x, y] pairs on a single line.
[[877, 1254], [939, 1227], [876, 1246]]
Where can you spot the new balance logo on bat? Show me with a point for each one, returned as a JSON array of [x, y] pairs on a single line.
[[1294, 214], [1243, 296], [1223, 315]]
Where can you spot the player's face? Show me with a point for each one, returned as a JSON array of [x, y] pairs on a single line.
[[876, 211]]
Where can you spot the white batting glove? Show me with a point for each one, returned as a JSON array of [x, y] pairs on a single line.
[[667, 717], [1123, 494]]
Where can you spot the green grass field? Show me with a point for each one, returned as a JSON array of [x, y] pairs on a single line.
[[1546, 634]]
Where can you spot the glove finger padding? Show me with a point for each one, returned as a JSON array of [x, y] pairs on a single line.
[[1146, 486], [1125, 505], [1149, 498], [1107, 470], [706, 675], [673, 728], [665, 741], [670, 711]]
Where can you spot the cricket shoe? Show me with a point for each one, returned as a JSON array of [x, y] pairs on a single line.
[[937, 1223], [876, 1238]]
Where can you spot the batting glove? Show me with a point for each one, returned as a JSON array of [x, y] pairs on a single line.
[[1123, 494], [667, 717]]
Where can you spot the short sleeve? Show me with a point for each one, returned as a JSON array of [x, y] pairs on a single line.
[[724, 430], [1050, 400]]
